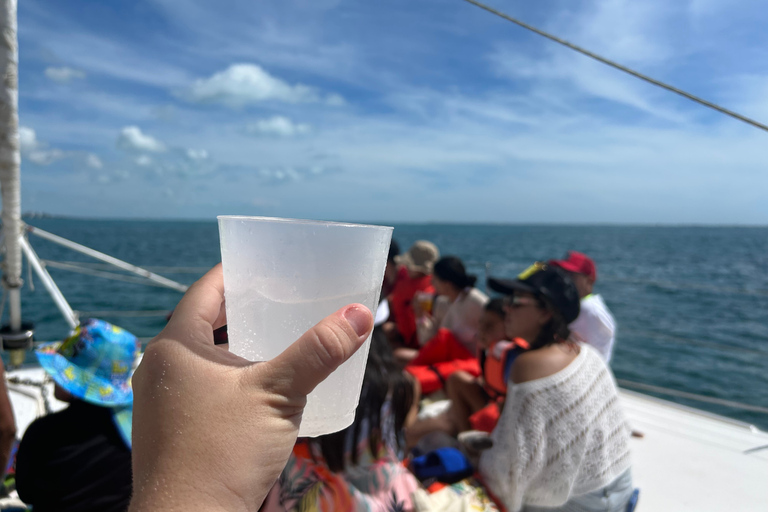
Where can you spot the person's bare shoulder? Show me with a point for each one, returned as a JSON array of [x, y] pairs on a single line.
[[537, 364]]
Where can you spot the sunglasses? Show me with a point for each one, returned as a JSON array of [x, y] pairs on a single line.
[[514, 302]]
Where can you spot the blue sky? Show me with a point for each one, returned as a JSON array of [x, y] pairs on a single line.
[[403, 111]]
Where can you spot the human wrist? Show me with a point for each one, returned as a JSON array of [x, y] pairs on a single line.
[[176, 495]]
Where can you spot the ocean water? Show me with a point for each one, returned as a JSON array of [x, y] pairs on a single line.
[[691, 303]]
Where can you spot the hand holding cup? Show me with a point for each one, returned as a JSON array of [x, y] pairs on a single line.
[[212, 431]]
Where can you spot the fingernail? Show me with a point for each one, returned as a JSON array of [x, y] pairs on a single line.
[[358, 318]]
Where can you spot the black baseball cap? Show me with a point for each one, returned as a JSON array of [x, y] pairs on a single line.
[[550, 283]]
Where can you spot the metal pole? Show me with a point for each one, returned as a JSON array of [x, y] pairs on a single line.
[[10, 159], [108, 259], [69, 315]]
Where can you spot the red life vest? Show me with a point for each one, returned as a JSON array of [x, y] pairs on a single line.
[[494, 364], [400, 304], [442, 356]]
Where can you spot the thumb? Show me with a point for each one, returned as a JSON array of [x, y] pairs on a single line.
[[314, 356]]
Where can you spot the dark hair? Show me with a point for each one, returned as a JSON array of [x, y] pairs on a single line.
[[496, 306], [383, 380], [394, 250], [554, 331], [451, 270]]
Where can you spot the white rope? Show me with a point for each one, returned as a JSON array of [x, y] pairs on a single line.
[[625, 69]]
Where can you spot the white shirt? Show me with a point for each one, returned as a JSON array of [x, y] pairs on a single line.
[[595, 325], [559, 436], [461, 317]]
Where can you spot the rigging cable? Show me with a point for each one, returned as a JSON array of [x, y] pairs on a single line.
[[106, 266], [127, 314], [625, 69], [98, 273]]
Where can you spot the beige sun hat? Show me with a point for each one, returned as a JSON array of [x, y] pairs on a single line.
[[421, 257]]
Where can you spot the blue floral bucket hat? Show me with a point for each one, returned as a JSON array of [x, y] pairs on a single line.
[[94, 363]]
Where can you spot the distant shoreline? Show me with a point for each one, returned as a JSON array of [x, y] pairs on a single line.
[[44, 215]]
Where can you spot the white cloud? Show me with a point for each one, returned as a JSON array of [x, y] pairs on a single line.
[[335, 100], [46, 156], [279, 126], [248, 84], [174, 162], [39, 153], [263, 202], [36, 151], [196, 154], [113, 177], [63, 75], [143, 161], [290, 174], [147, 154], [133, 139], [27, 139], [93, 161], [280, 175]]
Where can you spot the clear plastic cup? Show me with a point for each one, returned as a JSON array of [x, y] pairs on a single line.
[[281, 277]]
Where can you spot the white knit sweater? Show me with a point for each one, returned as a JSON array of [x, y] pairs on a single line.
[[558, 437]]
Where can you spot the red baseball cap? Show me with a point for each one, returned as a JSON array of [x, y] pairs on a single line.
[[578, 263]]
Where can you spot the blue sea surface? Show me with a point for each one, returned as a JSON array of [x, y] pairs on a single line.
[[691, 303]]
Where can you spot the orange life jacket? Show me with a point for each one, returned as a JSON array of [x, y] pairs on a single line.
[[493, 366]]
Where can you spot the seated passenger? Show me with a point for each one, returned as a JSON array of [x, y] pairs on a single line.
[[451, 330], [476, 400], [458, 306], [595, 324], [562, 441], [79, 459], [413, 276], [359, 468]]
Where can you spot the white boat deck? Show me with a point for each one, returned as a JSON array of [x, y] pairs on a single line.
[[690, 460], [27, 401]]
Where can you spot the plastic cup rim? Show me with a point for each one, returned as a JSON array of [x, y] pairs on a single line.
[[278, 220]]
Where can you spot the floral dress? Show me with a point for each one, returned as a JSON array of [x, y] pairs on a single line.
[[378, 483]]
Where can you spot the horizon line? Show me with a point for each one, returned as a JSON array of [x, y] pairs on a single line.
[[37, 215]]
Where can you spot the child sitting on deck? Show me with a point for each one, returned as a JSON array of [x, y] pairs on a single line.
[[475, 401]]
